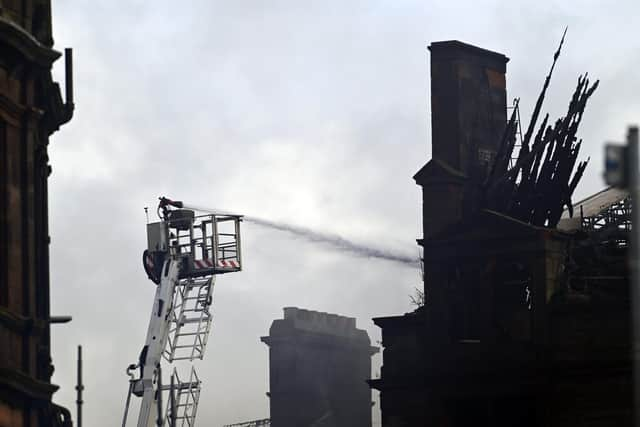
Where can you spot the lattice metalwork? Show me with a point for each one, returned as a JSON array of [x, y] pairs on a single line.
[[191, 319], [256, 423], [182, 407], [515, 110], [612, 224]]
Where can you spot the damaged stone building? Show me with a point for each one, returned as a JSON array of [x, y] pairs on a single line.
[[526, 314], [31, 109]]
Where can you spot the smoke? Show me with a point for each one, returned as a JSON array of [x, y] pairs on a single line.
[[330, 240], [334, 241]]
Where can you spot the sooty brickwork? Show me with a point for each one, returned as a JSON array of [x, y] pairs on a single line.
[[31, 109], [468, 117]]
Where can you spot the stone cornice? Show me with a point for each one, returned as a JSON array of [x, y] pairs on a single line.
[[14, 321], [22, 41], [20, 324], [19, 383]]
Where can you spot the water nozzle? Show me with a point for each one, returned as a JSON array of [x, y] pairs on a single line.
[[168, 202]]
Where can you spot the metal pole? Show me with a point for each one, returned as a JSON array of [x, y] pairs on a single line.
[[634, 190], [172, 396], [159, 398], [214, 237], [238, 243], [68, 68], [79, 387], [126, 406]]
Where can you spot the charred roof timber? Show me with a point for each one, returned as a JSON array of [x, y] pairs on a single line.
[[482, 161], [540, 184]]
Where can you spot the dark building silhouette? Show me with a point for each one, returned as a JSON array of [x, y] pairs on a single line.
[[468, 116], [31, 109], [523, 324], [318, 367]]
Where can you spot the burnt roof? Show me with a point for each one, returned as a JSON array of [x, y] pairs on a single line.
[[591, 206]]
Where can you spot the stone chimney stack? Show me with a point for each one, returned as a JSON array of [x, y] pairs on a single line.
[[318, 367], [468, 117]]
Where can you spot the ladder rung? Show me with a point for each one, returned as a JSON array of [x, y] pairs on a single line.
[[185, 321], [190, 334], [192, 346], [195, 310], [197, 356], [180, 387]]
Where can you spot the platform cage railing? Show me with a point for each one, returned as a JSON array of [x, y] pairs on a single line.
[[209, 244], [182, 400], [190, 319]]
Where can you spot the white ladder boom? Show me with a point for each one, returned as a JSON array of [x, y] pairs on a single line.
[[185, 253]]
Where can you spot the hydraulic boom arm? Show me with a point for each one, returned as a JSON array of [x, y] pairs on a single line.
[[184, 254]]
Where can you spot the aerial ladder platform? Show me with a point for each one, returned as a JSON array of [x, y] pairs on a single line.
[[185, 252]]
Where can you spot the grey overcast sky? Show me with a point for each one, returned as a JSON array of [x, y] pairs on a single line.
[[312, 112]]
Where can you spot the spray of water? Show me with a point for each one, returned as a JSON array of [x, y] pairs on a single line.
[[328, 239], [335, 241]]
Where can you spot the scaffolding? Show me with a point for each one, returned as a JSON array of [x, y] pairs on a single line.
[[612, 224], [265, 422]]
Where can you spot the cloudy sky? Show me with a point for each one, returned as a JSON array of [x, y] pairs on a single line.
[[311, 112]]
